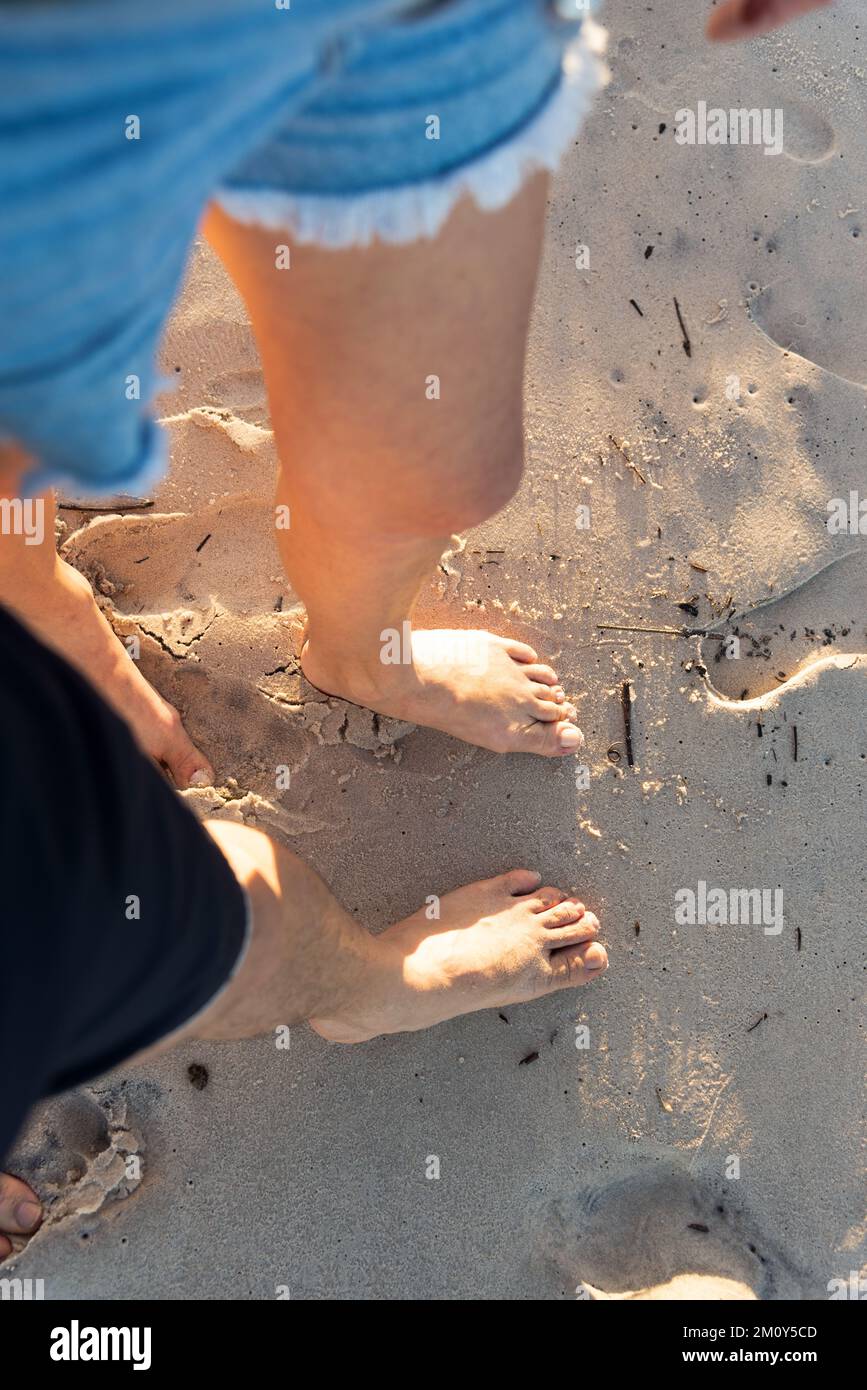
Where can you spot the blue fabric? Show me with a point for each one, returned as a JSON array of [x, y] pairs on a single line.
[[325, 97]]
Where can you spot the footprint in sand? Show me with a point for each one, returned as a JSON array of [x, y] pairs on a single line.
[[153, 563], [243, 393], [660, 1235], [823, 617], [808, 290], [816, 319], [808, 138], [83, 1151]]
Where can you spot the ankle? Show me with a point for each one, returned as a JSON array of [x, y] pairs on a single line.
[[355, 1009], [357, 668]]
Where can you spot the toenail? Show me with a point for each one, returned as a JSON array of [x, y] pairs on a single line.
[[27, 1214], [571, 738], [201, 778]]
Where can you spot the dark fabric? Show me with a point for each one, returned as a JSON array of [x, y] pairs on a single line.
[[87, 824]]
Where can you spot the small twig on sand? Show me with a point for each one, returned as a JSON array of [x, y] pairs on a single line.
[[798, 933], [687, 345], [637, 471], [626, 707], [621, 449], [761, 1018], [666, 631], [636, 308], [111, 504], [795, 742]]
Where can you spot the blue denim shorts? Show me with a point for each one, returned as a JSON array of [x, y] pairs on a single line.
[[334, 121]]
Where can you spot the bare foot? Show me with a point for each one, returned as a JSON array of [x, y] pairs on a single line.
[[65, 616], [501, 941], [20, 1211], [487, 690]]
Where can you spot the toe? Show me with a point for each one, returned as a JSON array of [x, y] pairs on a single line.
[[545, 898], [550, 692], [543, 674], [564, 926], [577, 965], [562, 913], [519, 651], [544, 708], [593, 956], [188, 766], [20, 1208], [551, 738], [569, 737], [517, 882]]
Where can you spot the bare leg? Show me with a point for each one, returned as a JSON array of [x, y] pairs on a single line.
[[57, 604], [378, 473], [501, 941]]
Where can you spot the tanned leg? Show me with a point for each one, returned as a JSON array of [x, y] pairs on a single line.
[[381, 463], [503, 940], [56, 602]]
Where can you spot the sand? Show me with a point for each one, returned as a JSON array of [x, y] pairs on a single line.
[[710, 1127]]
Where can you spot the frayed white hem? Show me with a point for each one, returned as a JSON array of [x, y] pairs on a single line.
[[400, 215]]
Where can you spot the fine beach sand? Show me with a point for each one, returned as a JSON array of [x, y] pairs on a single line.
[[712, 1050]]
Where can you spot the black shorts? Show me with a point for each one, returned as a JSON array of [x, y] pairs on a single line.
[[121, 919]]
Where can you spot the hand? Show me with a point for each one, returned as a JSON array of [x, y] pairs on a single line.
[[746, 19]]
